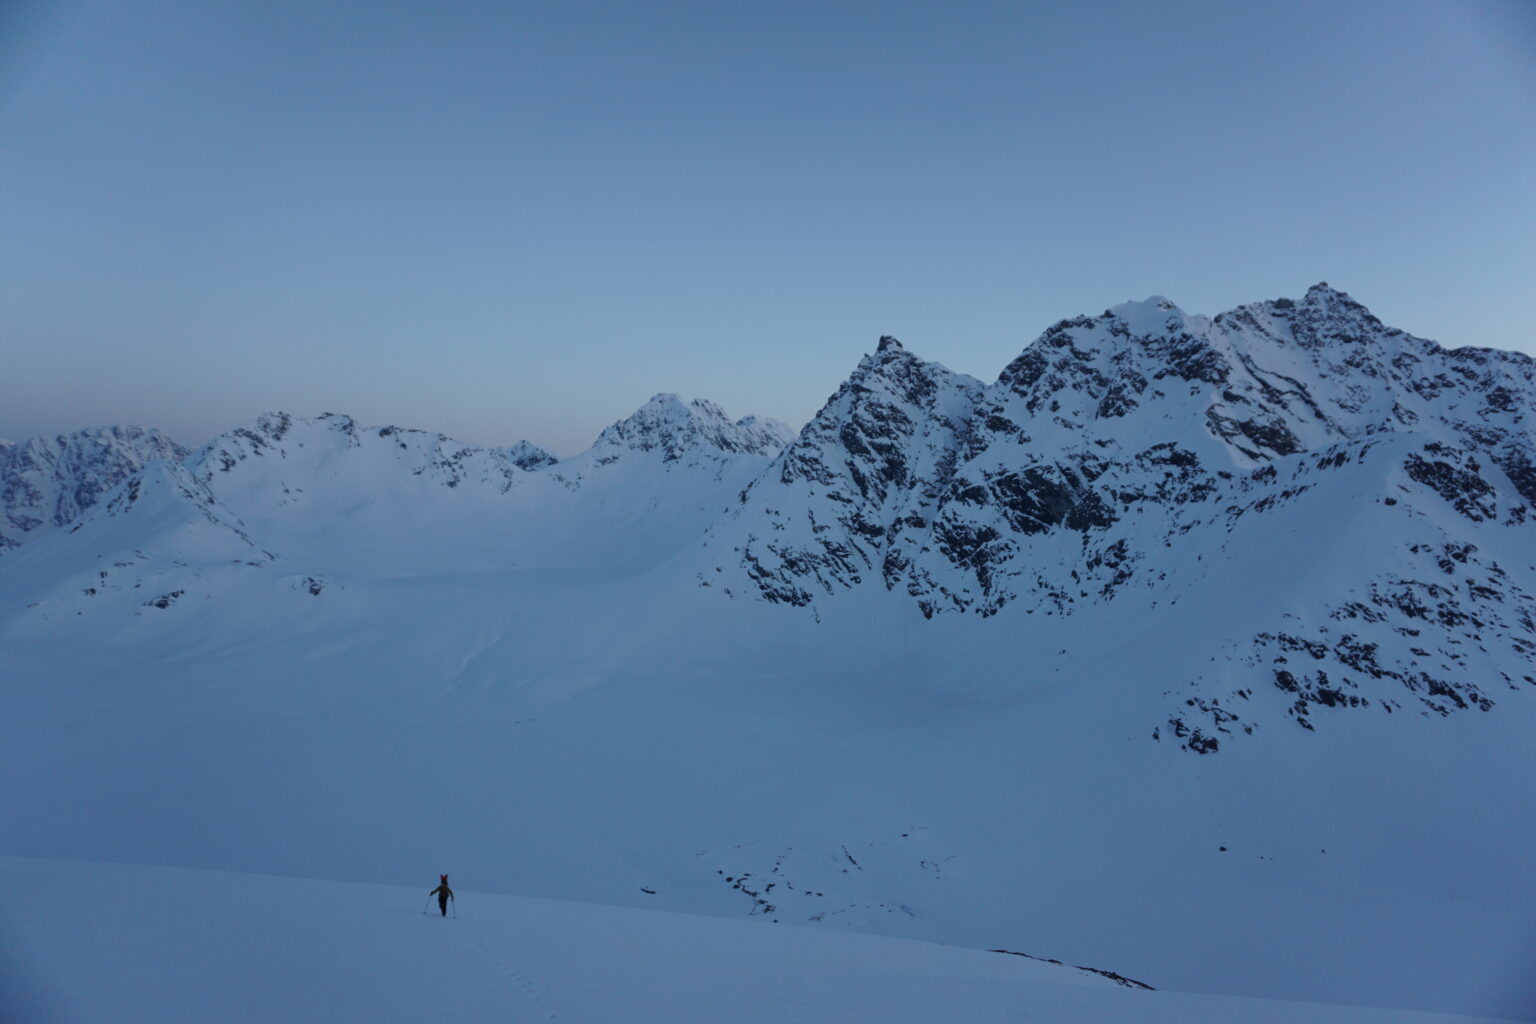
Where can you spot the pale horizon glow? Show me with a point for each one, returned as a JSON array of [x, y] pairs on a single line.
[[502, 222]]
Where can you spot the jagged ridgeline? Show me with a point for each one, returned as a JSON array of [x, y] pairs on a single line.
[[1343, 508]]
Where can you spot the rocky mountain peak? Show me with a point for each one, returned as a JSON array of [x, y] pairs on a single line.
[[1155, 315], [881, 449], [529, 456], [673, 427], [1324, 293], [893, 370], [1327, 317]]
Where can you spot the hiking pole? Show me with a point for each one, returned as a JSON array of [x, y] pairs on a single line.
[[425, 905], [455, 909]]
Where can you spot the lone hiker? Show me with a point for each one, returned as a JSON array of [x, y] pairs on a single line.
[[443, 894]]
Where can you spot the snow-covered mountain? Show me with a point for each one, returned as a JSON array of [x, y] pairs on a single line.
[[1127, 462], [529, 456], [48, 481], [694, 430], [1143, 409], [874, 462], [942, 666]]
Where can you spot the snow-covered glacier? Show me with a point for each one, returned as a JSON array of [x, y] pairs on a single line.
[[1199, 648]]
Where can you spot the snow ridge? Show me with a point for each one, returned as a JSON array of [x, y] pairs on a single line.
[[281, 451]]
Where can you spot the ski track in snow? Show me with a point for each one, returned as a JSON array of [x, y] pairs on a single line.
[[530, 990]]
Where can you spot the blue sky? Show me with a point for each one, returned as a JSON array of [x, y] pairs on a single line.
[[509, 220]]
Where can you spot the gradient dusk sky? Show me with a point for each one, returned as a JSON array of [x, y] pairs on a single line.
[[509, 220]]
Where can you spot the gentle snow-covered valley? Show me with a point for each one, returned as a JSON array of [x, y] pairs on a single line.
[[1199, 650]]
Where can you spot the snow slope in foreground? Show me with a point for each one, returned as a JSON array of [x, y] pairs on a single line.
[[99, 942]]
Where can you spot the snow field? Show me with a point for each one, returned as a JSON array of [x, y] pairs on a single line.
[[90, 942]]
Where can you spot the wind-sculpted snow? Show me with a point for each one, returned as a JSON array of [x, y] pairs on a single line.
[[47, 482]]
